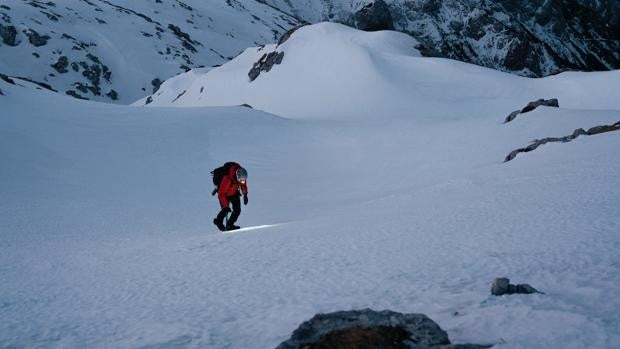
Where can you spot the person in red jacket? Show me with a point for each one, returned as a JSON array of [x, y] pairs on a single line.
[[228, 193]]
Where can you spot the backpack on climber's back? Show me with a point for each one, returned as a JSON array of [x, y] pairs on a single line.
[[219, 173]]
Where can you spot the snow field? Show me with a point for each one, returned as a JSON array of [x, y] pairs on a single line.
[[107, 240]]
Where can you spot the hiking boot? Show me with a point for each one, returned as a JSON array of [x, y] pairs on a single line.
[[232, 227], [219, 224]]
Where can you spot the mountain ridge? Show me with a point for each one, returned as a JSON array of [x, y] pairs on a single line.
[[529, 38], [104, 51]]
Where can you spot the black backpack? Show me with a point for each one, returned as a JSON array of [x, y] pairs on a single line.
[[219, 173]]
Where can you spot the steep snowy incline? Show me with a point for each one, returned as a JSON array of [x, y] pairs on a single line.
[[332, 71], [106, 237], [121, 51]]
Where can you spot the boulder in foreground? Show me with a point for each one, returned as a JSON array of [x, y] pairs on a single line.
[[369, 329]]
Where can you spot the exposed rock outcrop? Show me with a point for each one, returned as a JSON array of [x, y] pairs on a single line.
[[531, 106], [7, 79], [8, 34], [290, 32], [185, 39], [35, 39], [113, 95], [75, 95], [578, 132], [370, 329], [156, 83], [502, 286], [265, 63], [531, 38], [61, 65], [373, 15]]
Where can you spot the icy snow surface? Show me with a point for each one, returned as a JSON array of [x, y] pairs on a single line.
[[106, 238]]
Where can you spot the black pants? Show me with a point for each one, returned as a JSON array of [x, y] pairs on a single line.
[[235, 200]]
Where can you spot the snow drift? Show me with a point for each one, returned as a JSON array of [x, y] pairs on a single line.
[[333, 71]]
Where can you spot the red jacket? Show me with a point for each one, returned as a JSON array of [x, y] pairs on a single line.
[[230, 187]]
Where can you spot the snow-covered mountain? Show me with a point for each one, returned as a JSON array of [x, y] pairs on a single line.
[[531, 38], [382, 74], [121, 51], [377, 178]]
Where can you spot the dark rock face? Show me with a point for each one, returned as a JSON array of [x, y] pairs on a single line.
[[38, 83], [7, 79], [35, 39], [531, 106], [8, 34], [75, 95], [541, 102], [265, 63], [531, 38], [179, 96], [370, 329], [156, 83], [603, 129], [502, 286], [186, 40], [374, 15], [61, 65], [113, 95], [288, 33], [527, 37]]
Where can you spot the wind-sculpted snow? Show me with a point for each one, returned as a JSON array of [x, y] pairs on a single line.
[[111, 51], [106, 238], [332, 71]]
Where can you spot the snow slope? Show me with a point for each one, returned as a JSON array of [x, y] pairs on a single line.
[[136, 42], [330, 70], [105, 214]]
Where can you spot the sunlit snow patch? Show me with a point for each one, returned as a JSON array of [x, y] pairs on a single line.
[[256, 227]]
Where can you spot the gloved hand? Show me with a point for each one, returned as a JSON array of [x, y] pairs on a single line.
[[245, 199]]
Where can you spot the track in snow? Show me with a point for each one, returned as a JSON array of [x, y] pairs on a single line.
[[256, 227]]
